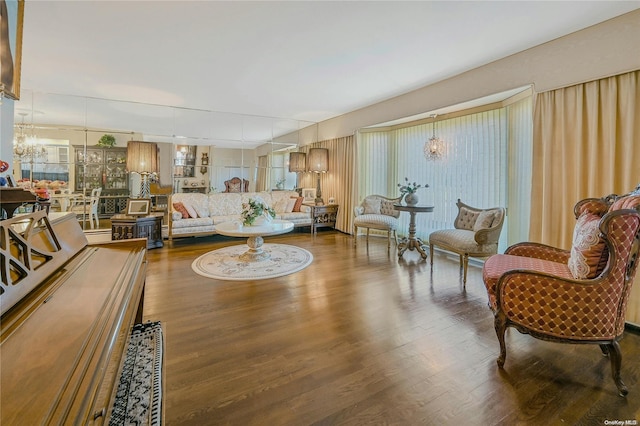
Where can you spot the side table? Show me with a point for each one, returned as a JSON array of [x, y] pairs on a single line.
[[412, 242], [323, 216], [125, 227]]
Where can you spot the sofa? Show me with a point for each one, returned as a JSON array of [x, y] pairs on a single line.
[[205, 211]]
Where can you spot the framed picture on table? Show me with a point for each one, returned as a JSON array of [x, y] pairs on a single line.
[[308, 195], [138, 206]]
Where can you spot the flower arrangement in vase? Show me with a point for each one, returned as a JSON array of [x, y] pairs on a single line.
[[254, 209], [408, 191]]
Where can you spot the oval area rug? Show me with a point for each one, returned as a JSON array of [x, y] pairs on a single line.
[[224, 263]]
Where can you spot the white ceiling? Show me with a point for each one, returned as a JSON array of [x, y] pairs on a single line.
[[310, 60]]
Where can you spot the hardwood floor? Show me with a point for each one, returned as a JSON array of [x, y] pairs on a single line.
[[360, 337]]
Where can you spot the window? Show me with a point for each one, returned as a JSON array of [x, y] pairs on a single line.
[[474, 168]]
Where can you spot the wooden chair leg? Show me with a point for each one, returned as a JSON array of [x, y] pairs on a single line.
[[395, 237], [355, 235], [464, 268], [616, 362], [388, 239], [605, 350], [431, 255], [500, 324]]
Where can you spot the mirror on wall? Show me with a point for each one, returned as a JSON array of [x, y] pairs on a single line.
[[74, 146]]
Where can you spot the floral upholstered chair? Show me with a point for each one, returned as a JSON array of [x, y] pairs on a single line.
[[571, 296], [236, 184], [476, 233], [377, 212]]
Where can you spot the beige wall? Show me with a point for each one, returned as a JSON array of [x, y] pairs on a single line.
[[606, 49]]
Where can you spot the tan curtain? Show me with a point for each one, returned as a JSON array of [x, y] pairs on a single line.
[[339, 181], [261, 180], [586, 143]]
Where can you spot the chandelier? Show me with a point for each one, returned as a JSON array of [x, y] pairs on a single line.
[[26, 147], [434, 148]]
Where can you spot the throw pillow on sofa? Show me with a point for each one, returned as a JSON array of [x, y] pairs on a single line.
[[280, 206], [296, 207], [182, 209], [192, 212], [291, 203]]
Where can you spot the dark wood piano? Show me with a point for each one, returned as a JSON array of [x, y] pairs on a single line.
[[67, 312], [12, 198]]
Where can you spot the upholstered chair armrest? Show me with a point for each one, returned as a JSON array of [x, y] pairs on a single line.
[[568, 300], [488, 235], [358, 210], [539, 251]]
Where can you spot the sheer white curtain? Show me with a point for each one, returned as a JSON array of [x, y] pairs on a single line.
[[520, 168], [474, 167]]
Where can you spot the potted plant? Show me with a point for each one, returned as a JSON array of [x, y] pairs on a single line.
[[107, 141]]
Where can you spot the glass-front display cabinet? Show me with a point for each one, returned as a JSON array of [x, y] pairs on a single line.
[[106, 169]]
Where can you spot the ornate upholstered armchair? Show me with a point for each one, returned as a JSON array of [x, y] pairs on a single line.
[[377, 212], [476, 233], [235, 184], [571, 296]]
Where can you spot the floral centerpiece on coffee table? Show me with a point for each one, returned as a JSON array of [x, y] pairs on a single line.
[[408, 191], [256, 208]]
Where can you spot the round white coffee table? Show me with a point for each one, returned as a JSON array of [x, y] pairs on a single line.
[[254, 234]]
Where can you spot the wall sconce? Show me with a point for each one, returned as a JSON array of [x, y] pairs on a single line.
[[142, 158], [318, 163], [434, 148]]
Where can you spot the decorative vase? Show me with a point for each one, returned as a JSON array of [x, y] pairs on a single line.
[[411, 199], [261, 220]]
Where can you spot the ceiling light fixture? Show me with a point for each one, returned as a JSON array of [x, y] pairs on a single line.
[[26, 147], [434, 148]]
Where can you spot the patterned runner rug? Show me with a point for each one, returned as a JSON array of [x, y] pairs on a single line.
[[139, 395], [224, 263]]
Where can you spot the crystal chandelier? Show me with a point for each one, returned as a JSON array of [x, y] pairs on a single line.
[[25, 147], [434, 148]]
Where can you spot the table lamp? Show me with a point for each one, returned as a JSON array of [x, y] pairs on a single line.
[[142, 158], [297, 164], [318, 163]]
